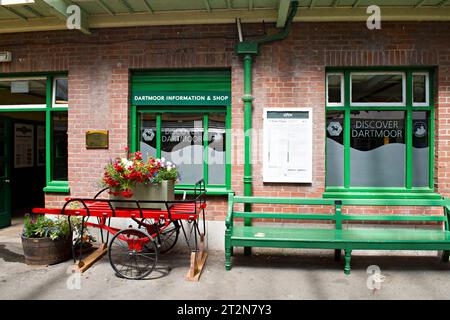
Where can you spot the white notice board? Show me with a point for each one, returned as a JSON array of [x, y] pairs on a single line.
[[287, 145]]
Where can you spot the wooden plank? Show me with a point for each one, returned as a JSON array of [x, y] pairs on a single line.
[[198, 261], [85, 264]]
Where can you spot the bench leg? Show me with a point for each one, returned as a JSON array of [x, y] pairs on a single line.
[[228, 250], [232, 251], [445, 255], [228, 259], [337, 254], [348, 255]]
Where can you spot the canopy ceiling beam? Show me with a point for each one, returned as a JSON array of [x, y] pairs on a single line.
[[250, 5], [148, 6], [312, 3], [15, 13], [356, 3], [229, 4], [59, 8], [420, 3], [127, 5], [443, 3], [283, 10], [207, 5], [105, 7], [33, 11]]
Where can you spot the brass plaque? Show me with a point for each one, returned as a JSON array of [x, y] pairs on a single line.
[[97, 139]]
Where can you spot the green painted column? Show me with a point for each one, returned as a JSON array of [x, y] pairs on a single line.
[[248, 104]]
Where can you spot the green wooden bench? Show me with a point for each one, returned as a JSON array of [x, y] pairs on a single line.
[[410, 237]]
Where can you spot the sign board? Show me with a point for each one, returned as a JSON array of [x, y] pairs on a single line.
[[177, 98], [23, 145], [287, 145], [19, 87], [97, 139]]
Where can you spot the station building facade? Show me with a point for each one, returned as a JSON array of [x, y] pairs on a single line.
[[379, 101]]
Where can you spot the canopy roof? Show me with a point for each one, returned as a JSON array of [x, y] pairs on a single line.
[[38, 15]]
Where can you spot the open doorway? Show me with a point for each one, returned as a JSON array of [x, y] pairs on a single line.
[[24, 161]]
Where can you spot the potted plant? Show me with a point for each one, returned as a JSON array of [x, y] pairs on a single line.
[[132, 178], [46, 241]]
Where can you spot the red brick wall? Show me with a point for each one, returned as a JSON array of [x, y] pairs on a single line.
[[289, 73]]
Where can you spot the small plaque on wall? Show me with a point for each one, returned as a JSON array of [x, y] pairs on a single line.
[[97, 139]]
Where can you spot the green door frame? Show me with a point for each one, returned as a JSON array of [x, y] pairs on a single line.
[[5, 185]]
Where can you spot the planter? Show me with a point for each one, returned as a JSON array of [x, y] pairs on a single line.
[[164, 191], [45, 251]]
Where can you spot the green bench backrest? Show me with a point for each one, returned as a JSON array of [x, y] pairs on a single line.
[[338, 217]]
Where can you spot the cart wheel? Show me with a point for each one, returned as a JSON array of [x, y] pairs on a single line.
[[169, 237], [132, 254]]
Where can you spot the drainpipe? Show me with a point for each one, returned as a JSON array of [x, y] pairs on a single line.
[[249, 49]]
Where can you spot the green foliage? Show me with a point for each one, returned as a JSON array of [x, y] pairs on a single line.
[[44, 227]]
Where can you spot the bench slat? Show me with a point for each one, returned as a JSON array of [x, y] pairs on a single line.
[[372, 236], [272, 215], [293, 201], [393, 218]]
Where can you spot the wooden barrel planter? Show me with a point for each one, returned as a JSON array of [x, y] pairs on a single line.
[[45, 251]]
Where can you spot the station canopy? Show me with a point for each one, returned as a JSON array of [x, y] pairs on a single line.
[[42, 15]]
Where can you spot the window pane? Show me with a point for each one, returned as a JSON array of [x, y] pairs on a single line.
[[22, 92], [377, 88], [148, 135], [419, 88], [334, 88], [335, 148], [421, 149], [216, 149], [59, 125], [377, 149], [182, 144], [61, 91]]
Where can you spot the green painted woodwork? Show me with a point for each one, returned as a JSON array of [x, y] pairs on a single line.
[[347, 191], [185, 82], [337, 238], [51, 185], [5, 186]]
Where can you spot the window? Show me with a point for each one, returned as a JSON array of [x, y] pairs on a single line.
[[60, 92], [377, 89], [43, 93], [380, 139], [194, 140], [59, 146], [335, 89], [23, 92]]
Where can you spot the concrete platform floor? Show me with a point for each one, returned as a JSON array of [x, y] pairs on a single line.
[[268, 274]]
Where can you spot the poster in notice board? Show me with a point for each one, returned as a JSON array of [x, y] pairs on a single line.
[[23, 145], [287, 145]]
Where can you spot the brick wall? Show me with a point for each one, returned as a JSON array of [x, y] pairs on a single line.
[[290, 73]]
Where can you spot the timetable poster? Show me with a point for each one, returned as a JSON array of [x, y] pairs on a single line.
[[23, 145]]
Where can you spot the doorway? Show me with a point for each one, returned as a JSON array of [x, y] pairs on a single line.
[[22, 164]]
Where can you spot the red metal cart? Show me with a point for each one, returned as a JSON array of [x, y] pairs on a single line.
[[133, 252]]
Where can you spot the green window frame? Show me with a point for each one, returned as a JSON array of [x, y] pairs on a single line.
[[136, 113], [346, 107], [53, 186]]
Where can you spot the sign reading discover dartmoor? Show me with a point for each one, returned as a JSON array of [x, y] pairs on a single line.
[[208, 98]]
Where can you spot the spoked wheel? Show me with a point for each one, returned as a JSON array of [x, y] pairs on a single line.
[[169, 237], [132, 254]]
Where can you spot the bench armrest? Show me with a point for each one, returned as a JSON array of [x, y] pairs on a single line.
[[229, 217]]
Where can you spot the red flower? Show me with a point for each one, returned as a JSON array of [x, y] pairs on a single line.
[[127, 193]]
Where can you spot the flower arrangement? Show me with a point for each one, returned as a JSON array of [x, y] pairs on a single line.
[[122, 174]]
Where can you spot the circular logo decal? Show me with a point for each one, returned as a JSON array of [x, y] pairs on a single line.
[[334, 128], [420, 129]]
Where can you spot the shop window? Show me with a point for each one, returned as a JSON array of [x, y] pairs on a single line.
[[378, 89], [23, 92], [59, 146], [60, 92], [379, 140], [420, 89], [181, 138], [335, 89]]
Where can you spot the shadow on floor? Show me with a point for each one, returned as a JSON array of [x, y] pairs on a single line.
[[327, 262], [10, 256]]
